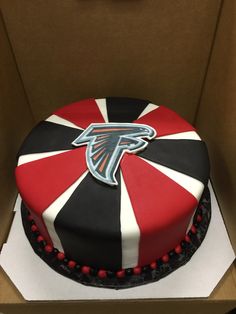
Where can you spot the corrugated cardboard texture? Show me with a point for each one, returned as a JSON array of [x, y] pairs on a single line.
[[15, 122], [217, 115], [155, 49]]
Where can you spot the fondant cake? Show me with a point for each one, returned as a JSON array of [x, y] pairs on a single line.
[[114, 191]]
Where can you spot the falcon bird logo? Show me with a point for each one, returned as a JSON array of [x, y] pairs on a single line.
[[106, 144]]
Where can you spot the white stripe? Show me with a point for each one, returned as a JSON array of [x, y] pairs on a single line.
[[192, 185], [190, 135], [32, 157], [130, 232], [149, 108], [58, 120], [102, 105], [49, 215], [191, 221]]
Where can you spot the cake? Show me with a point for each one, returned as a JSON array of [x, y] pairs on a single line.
[[114, 191]]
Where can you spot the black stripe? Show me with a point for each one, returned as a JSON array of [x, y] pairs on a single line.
[[89, 224], [187, 156], [48, 136], [120, 109]]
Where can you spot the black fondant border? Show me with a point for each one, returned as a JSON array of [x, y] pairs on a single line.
[[148, 274]]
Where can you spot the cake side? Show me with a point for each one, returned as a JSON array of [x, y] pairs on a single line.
[[129, 277]]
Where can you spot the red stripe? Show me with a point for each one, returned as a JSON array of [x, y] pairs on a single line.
[[165, 121], [81, 113], [42, 181], [162, 208]]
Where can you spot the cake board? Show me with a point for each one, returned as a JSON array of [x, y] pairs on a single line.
[[38, 282]]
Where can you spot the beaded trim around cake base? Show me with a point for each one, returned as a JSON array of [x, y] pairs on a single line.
[[124, 278]]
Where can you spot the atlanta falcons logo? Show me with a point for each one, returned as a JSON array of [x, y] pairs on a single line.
[[106, 144]]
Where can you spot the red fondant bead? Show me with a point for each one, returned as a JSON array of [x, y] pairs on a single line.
[[30, 217], [120, 273], [34, 228], [165, 258], [60, 256], [153, 265], [187, 238], [102, 273], [40, 238], [71, 264], [193, 229], [85, 270], [48, 248], [137, 270], [178, 249], [199, 218]]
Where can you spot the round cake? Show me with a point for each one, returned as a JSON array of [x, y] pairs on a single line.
[[114, 191]]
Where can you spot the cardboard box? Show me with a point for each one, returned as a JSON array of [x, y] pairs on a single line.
[[180, 54]]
